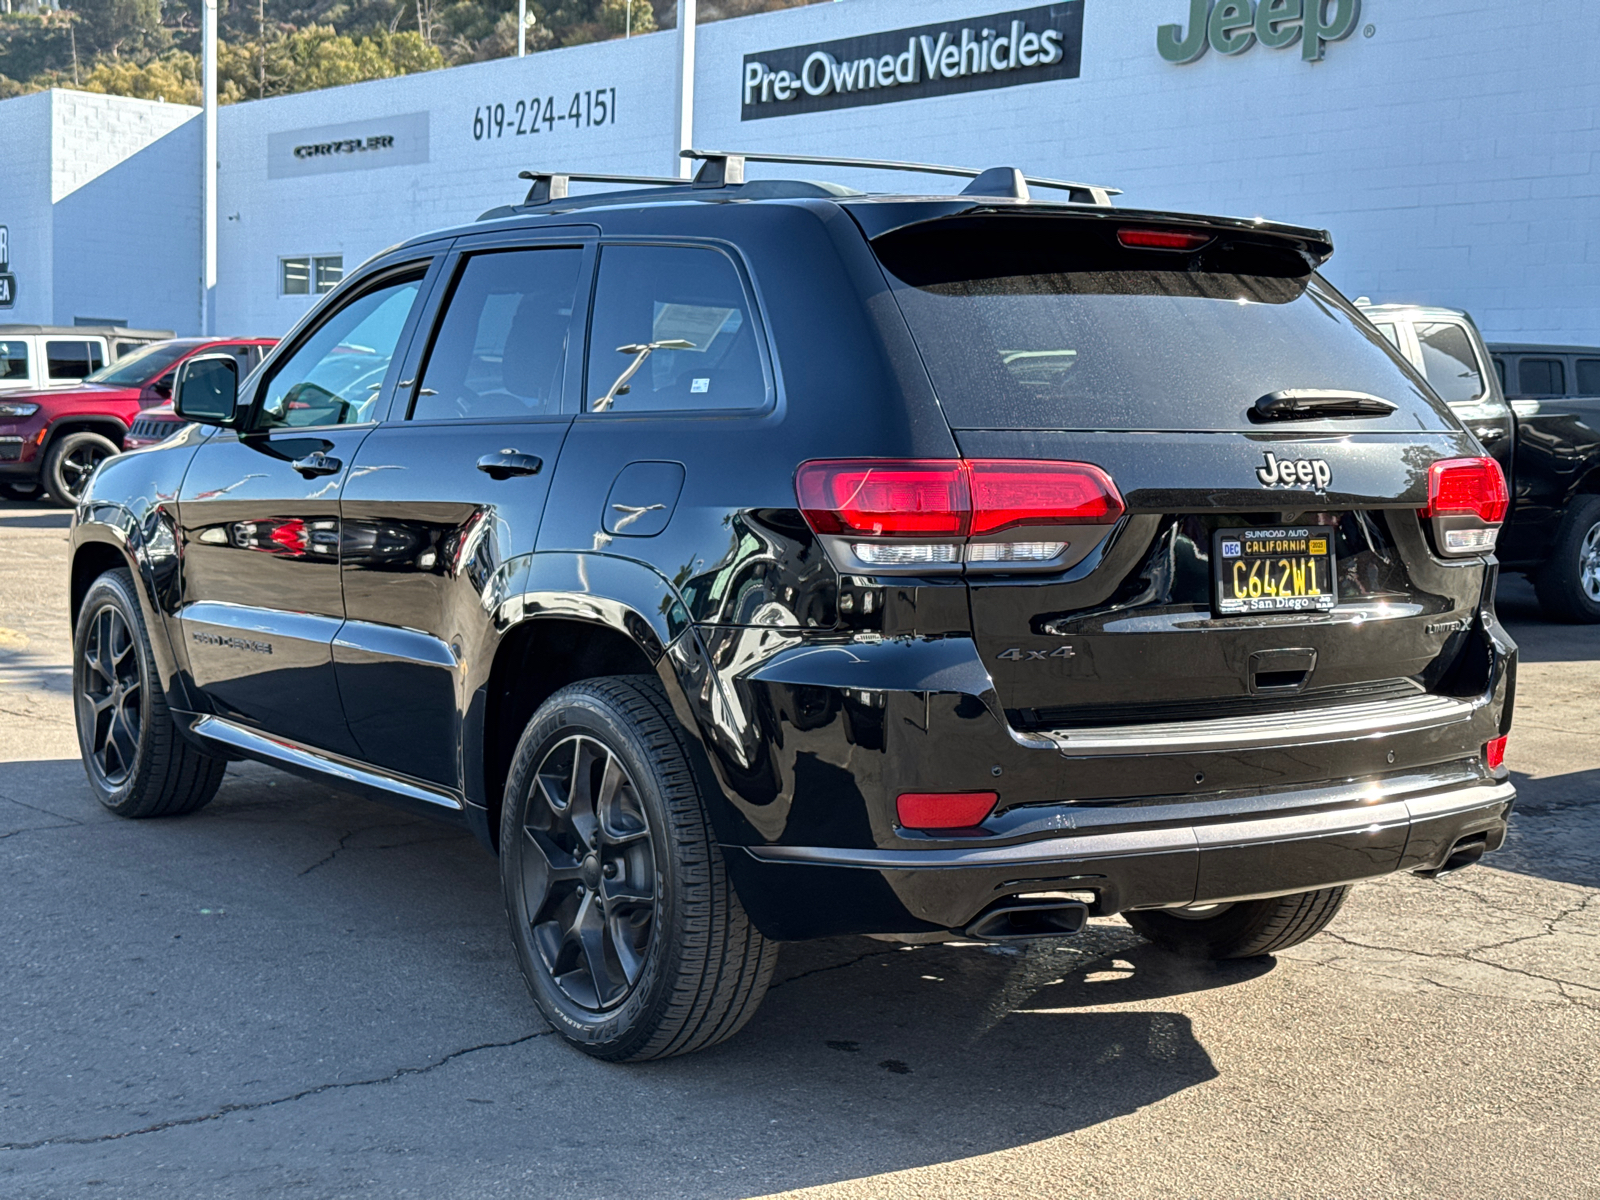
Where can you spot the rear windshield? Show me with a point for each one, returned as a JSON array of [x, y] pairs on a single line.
[[1041, 323]]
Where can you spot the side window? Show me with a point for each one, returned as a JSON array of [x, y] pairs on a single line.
[[14, 361], [1390, 331], [73, 360], [334, 377], [1449, 361], [1589, 377], [245, 356], [671, 331], [1500, 371], [501, 350], [1541, 377]]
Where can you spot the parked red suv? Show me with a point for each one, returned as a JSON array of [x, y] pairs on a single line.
[[54, 439]]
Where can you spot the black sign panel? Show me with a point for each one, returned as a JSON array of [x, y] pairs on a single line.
[[1028, 45], [8, 290]]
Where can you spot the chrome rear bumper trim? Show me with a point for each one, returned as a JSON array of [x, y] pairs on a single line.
[[290, 754], [1261, 732]]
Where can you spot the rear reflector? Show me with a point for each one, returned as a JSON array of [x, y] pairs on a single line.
[[1467, 487], [1494, 753], [1162, 239], [944, 810]]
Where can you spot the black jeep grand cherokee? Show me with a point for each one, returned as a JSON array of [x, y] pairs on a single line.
[[751, 561]]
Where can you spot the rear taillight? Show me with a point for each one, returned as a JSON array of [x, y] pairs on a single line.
[[1467, 501], [1494, 753], [944, 810], [939, 513]]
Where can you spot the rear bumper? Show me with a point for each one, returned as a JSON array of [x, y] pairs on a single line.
[[1219, 850]]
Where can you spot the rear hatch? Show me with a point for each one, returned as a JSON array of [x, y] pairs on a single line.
[[1272, 453]]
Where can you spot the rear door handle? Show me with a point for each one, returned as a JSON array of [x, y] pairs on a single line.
[[317, 463], [503, 464]]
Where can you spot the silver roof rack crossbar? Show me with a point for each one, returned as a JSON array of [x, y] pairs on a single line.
[[553, 185], [720, 168]]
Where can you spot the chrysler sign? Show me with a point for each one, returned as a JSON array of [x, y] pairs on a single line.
[[1026, 46]]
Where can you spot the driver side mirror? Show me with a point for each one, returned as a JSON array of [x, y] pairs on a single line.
[[206, 389]]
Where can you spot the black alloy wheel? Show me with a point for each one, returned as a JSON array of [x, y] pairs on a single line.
[[70, 463], [138, 763], [626, 927], [111, 697], [589, 873], [1569, 582]]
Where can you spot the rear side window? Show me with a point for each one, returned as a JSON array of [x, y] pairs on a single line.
[[671, 332], [13, 360], [1449, 361], [1048, 323], [73, 360], [501, 350], [1541, 377], [1589, 377], [1390, 331]]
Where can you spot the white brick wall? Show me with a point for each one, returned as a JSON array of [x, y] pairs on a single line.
[[1453, 155], [25, 205]]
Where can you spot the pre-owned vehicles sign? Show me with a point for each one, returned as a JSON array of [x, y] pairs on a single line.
[[1028, 45]]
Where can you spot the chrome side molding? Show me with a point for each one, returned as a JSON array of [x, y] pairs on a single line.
[[296, 757]]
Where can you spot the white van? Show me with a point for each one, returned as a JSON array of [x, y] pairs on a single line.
[[46, 356]]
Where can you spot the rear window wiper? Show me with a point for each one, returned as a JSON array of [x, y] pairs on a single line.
[[1305, 404]]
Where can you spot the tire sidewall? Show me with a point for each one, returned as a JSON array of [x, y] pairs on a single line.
[[580, 709], [114, 590], [1586, 518], [1561, 582]]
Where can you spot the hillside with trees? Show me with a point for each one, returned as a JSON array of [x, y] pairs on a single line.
[[151, 48]]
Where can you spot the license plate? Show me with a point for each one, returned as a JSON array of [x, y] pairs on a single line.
[[1273, 570]]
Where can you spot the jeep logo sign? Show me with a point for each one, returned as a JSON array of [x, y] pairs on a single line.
[[1233, 26], [1029, 45]]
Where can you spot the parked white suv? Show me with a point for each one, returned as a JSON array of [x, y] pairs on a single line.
[[45, 356]]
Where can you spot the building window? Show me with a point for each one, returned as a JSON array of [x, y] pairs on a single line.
[[303, 276]]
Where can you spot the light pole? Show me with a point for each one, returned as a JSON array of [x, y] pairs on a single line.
[[208, 170], [522, 28], [685, 86]]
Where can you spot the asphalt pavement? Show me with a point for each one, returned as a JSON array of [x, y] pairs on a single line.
[[299, 993]]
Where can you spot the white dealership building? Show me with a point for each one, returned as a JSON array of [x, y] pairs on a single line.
[[1451, 148]]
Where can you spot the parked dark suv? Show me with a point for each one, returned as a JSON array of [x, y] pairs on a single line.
[[753, 561]]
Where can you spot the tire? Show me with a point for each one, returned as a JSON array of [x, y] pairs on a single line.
[[663, 962], [138, 764], [1242, 930], [70, 462], [1569, 582], [20, 491]]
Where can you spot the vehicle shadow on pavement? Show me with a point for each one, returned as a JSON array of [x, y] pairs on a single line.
[[321, 944], [34, 515], [1555, 828]]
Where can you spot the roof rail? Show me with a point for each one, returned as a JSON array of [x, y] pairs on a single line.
[[721, 168], [553, 185]]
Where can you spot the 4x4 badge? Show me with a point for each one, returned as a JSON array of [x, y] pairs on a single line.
[[1018, 654], [1290, 473]]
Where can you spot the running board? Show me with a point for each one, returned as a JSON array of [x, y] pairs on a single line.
[[1262, 732], [295, 757]]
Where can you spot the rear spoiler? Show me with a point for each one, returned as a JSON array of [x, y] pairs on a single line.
[[878, 218]]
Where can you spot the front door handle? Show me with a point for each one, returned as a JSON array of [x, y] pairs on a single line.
[[503, 464], [317, 463]]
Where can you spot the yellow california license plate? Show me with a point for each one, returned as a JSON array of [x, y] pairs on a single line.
[[1273, 570]]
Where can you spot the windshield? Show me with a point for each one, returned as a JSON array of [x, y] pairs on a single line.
[[140, 367], [1050, 324]]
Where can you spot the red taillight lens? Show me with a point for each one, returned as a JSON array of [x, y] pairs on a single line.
[[1467, 487], [944, 810], [952, 498], [1162, 239], [1494, 753], [1007, 493], [886, 498]]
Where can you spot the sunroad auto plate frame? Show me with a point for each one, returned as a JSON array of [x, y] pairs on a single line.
[[1287, 570]]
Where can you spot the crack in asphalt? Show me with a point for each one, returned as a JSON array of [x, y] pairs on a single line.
[[835, 966], [344, 840], [255, 1106], [39, 829], [1472, 953]]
